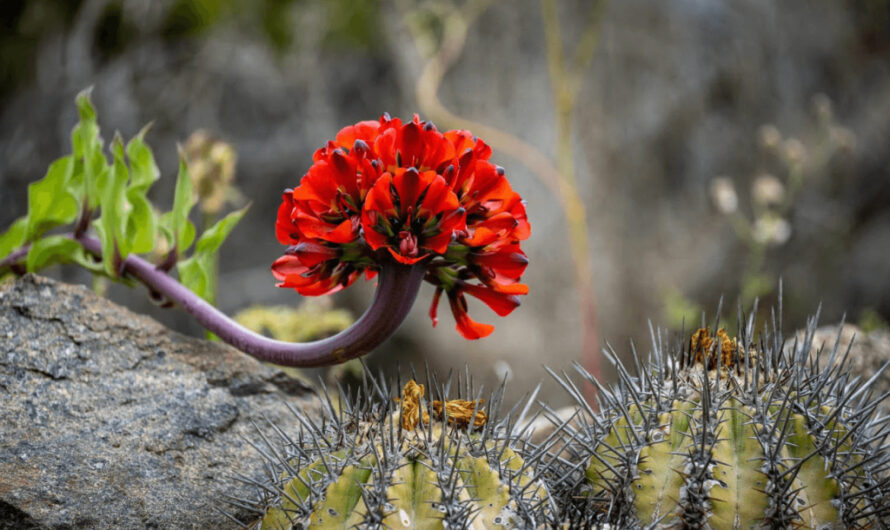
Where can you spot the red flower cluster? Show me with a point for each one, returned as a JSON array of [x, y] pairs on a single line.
[[384, 189]]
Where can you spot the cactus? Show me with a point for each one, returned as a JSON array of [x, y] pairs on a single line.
[[729, 433], [370, 462]]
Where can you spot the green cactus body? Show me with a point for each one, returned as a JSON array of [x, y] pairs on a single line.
[[363, 468], [732, 439]]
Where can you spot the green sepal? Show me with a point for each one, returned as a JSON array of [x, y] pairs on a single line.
[[50, 203]]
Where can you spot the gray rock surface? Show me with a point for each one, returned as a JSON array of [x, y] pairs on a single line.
[[868, 353], [109, 420]]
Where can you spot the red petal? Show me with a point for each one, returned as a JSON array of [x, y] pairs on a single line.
[[315, 228], [287, 266], [434, 307], [363, 130], [523, 228], [384, 146], [481, 237], [410, 145], [438, 243], [285, 230], [466, 326], [439, 197], [403, 259], [409, 185], [501, 303], [312, 253], [319, 288], [488, 184], [319, 184], [379, 199], [498, 222], [509, 288], [509, 261], [342, 234], [343, 170]]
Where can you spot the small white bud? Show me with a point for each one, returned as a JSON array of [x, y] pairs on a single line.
[[772, 230], [723, 195], [767, 190]]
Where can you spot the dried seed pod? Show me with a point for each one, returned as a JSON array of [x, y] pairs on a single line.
[[714, 432], [373, 461]]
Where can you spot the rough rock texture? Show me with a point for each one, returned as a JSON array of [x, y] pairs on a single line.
[[868, 353], [109, 420]]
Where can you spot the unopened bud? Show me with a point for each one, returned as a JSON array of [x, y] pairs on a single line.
[[723, 195]]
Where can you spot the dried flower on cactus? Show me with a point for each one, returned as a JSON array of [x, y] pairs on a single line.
[[716, 432], [373, 464]]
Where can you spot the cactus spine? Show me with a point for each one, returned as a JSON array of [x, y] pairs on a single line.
[[370, 463], [723, 433]]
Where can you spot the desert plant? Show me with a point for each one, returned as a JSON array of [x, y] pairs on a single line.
[[720, 432], [396, 199], [438, 463]]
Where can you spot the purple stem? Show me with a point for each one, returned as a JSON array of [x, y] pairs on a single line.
[[14, 257], [396, 291]]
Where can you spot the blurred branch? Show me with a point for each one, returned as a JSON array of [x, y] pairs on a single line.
[[560, 177], [565, 85], [456, 24]]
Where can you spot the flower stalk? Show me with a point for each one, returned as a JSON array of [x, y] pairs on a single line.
[[396, 291]]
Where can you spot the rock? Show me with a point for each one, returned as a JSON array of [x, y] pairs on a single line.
[[868, 352], [109, 420]]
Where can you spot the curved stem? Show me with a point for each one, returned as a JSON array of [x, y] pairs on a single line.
[[14, 257], [396, 291]]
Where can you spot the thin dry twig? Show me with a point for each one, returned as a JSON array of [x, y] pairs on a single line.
[[560, 178]]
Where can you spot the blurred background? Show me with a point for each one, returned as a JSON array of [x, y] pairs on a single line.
[[670, 152]]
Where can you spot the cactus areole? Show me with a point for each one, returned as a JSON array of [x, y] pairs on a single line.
[[419, 464], [725, 433]]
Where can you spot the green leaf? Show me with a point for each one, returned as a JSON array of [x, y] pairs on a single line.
[[143, 170], [87, 146], [213, 237], [194, 273], [13, 238], [111, 226], [51, 250], [85, 108], [50, 204], [165, 225], [142, 222], [182, 204]]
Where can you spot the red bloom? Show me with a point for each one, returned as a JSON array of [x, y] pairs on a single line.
[[411, 214], [419, 194]]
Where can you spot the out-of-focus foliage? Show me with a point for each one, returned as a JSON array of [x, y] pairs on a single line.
[[313, 319]]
